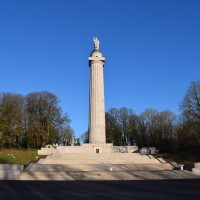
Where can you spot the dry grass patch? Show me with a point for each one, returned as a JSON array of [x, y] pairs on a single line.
[[17, 156]]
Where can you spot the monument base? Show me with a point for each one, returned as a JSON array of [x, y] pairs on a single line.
[[89, 148]]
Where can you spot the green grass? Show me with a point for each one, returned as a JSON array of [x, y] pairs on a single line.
[[182, 157], [17, 156]]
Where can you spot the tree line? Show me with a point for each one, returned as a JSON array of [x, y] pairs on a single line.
[[32, 121], [163, 130], [36, 119]]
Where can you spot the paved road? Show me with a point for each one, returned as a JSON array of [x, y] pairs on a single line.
[[123, 190]]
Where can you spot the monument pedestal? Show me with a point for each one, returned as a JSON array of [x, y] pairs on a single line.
[[89, 148]]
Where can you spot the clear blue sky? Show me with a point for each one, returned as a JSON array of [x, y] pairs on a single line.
[[152, 51]]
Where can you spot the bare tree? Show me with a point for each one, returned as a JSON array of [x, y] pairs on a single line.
[[121, 126], [156, 128], [190, 105], [190, 108], [84, 137]]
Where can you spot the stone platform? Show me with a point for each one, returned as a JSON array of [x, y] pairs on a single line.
[[100, 166], [89, 149]]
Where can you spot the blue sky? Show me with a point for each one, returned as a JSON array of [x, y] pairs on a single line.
[[152, 51]]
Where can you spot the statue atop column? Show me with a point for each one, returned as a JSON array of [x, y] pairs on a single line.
[[96, 43]]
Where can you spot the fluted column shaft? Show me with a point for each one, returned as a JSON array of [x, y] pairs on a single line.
[[97, 106]]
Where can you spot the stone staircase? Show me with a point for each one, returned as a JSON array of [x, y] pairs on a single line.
[[110, 158], [113, 166]]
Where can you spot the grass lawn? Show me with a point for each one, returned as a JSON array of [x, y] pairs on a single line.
[[183, 157], [17, 156]]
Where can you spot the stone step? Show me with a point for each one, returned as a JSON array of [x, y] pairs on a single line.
[[101, 158], [161, 160], [99, 155], [121, 158], [11, 167], [8, 171], [96, 167], [98, 161], [126, 175], [9, 174]]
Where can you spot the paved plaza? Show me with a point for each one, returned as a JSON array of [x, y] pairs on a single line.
[[148, 189]]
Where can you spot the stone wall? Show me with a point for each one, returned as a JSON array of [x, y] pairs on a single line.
[[89, 148]]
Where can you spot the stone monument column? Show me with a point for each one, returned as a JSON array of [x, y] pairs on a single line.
[[97, 107]]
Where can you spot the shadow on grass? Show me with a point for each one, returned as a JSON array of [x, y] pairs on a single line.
[[186, 157]]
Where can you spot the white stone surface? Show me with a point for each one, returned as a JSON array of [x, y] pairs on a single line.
[[10, 171], [150, 156], [175, 165], [11, 167], [89, 148], [161, 160], [197, 165], [196, 169], [46, 151], [102, 158]]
